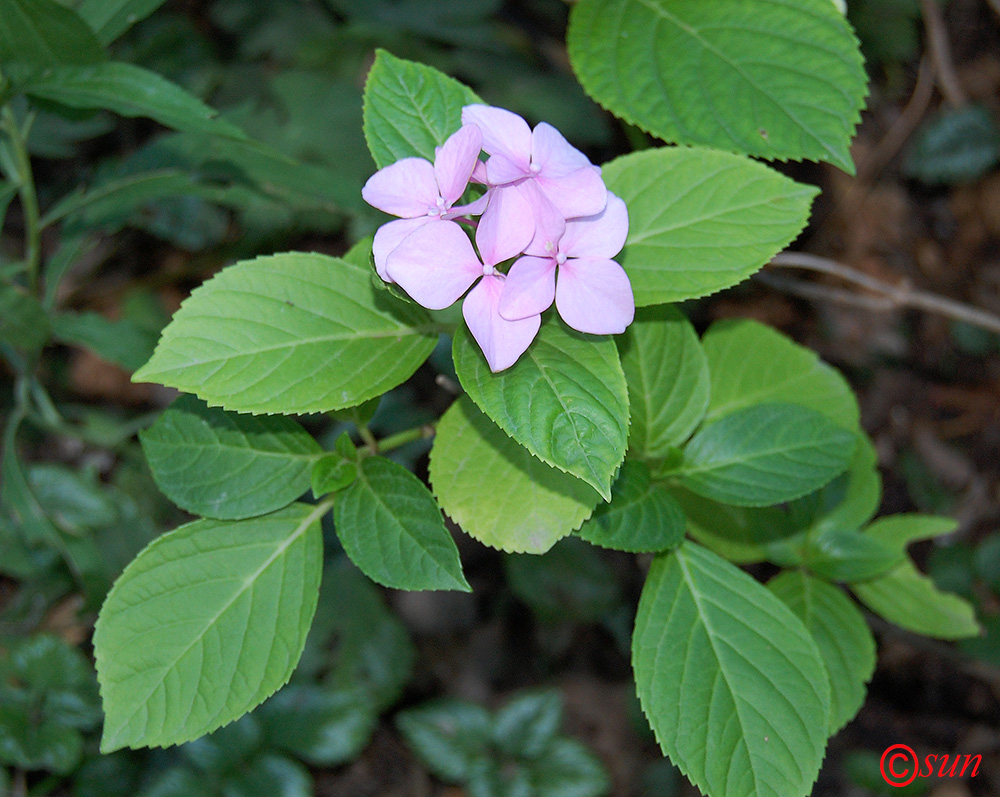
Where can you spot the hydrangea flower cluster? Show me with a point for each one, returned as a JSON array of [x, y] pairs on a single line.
[[545, 205]]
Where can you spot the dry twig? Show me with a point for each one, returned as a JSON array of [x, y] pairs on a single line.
[[888, 296], [940, 51]]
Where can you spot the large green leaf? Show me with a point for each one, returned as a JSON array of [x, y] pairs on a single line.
[[392, 529], [497, 491], [46, 33], [228, 466], [111, 18], [207, 622], [642, 515], [750, 363], [908, 598], [773, 78], [701, 220], [126, 89], [841, 634], [23, 321], [410, 108], [565, 400], [667, 378], [731, 681], [765, 454], [291, 333]]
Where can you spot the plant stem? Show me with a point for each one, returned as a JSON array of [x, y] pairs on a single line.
[[29, 197], [368, 437], [421, 432]]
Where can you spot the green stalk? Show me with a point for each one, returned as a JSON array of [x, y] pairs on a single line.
[[28, 194]]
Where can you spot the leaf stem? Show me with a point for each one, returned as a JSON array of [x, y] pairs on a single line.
[[421, 432], [28, 194], [369, 439]]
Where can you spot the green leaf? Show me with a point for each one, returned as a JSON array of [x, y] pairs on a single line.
[[770, 78], [765, 454], [207, 622], [290, 333], [898, 531], [701, 220], [528, 724], [391, 527], [269, 775], [497, 491], [852, 499], [572, 582], [123, 342], [111, 18], [751, 363], [957, 145], [729, 678], [641, 518], [333, 472], [227, 466], [324, 727], [451, 737], [126, 89], [410, 108], [565, 400], [569, 769], [848, 555], [18, 496], [667, 377], [909, 599], [23, 321], [47, 33], [845, 642]]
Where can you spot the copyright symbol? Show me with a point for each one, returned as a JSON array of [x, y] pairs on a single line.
[[896, 765]]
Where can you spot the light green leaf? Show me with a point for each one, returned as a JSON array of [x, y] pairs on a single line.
[[333, 472], [667, 377], [227, 466], [701, 220], [765, 454], [770, 78], [642, 516], [111, 18], [853, 498], [565, 400], [497, 491], [729, 678], [898, 531], [207, 622], [750, 363], [908, 598], [126, 89], [845, 642], [291, 333], [392, 529], [123, 342], [47, 33], [410, 108]]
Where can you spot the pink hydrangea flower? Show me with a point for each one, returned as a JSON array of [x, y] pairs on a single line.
[[592, 293], [420, 192], [436, 264], [520, 155]]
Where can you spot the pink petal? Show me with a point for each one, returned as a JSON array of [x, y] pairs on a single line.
[[502, 341], [549, 222], [506, 227], [455, 161], [504, 133], [579, 193], [594, 295], [552, 155], [602, 235], [479, 173], [474, 208], [501, 170], [435, 264], [391, 235], [405, 188], [529, 288]]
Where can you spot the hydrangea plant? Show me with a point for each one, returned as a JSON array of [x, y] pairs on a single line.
[[606, 417]]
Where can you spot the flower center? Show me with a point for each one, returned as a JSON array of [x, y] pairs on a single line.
[[535, 168], [489, 271], [560, 258]]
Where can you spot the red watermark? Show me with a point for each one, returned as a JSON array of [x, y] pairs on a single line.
[[900, 765]]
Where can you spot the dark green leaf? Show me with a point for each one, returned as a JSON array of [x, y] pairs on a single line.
[[122, 342], [228, 466], [451, 737], [23, 321], [528, 723], [569, 769], [332, 472], [957, 145], [111, 18], [47, 33]]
